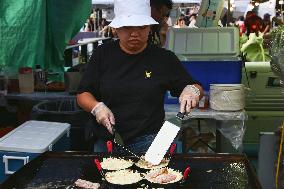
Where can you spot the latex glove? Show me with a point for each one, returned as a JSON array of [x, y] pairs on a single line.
[[189, 98], [104, 116]]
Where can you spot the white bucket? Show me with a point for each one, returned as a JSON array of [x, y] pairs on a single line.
[[227, 97]]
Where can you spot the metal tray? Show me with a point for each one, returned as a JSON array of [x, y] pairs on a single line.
[[62, 169]]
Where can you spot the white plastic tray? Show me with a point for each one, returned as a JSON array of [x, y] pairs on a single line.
[[204, 43], [34, 136]]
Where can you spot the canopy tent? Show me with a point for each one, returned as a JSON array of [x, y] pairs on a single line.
[[37, 32], [174, 1], [241, 5], [267, 7]]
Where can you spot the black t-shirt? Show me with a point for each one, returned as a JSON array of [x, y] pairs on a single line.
[[133, 86]]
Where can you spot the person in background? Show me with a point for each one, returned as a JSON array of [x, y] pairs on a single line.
[[220, 23], [250, 13], [253, 23], [168, 20], [182, 17], [160, 9], [241, 24], [192, 20], [277, 20], [187, 16], [90, 25], [180, 23], [84, 28], [267, 23], [224, 18], [126, 80], [102, 24], [108, 31]]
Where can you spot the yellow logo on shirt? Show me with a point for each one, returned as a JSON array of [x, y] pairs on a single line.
[[147, 74]]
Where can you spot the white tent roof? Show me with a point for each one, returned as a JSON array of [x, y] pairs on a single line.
[[241, 5], [174, 1], [186, 1], [102, 1]]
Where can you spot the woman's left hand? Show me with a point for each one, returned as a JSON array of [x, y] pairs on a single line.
[[189, 98]]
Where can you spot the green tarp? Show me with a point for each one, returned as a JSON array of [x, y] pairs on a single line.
[[37, 31]]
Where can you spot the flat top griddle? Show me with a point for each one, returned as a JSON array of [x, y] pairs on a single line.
[[61, 169]]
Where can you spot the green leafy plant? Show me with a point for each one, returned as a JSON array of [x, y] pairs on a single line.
[[253, 49], [277, 52]]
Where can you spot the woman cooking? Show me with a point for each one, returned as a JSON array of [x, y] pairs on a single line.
[[126, 80]]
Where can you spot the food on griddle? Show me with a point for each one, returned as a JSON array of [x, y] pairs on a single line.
[[86, 184], [114, 164], [142, 163], [123, 177], [163, 176]]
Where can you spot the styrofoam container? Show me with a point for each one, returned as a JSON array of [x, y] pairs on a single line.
[[28, 141], [227, 97]]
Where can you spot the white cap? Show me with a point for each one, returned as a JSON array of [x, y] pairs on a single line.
[[132, 13]]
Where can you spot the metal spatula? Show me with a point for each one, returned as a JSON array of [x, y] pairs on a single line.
[[117, 138], [164, 138]]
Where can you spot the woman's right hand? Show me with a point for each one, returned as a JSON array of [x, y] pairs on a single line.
[[104, 116]]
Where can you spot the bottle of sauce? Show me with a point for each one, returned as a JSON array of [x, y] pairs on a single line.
[[39, 77]]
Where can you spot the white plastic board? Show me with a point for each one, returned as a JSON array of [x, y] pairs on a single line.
[[161, 143]]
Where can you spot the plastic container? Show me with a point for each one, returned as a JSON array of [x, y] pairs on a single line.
[[210, 55], [66, 111], [211, 72], [204, 43], [227, 97], [28, 141], [26, 80]]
